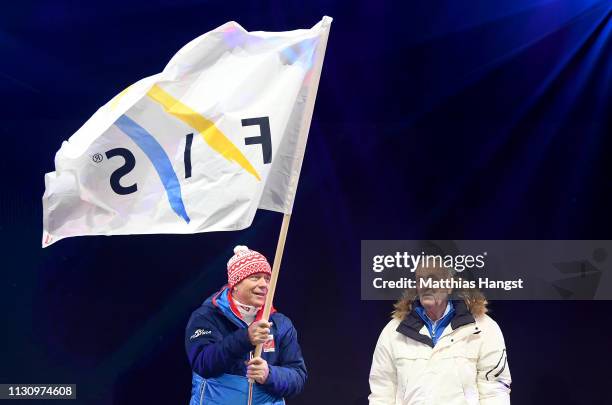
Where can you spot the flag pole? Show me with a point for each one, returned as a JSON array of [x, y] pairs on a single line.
[[304, 129], [278, 256]]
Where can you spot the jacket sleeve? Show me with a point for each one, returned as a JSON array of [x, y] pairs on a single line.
[[287, 378], [210, 353], [383, 375], [493, 372]]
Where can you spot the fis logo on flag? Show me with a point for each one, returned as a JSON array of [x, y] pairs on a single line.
[[198, 147], [162, 164]]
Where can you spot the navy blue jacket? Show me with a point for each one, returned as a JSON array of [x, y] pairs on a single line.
[[217, 343]]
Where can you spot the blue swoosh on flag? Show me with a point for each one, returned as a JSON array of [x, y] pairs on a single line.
[[160, 160]]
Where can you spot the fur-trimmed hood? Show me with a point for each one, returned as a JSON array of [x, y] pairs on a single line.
[[473, 298]]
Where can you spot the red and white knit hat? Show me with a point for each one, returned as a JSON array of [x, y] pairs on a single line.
[[244, 263]]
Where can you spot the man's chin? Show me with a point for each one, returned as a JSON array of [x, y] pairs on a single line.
[[259, 301], [427, 299]]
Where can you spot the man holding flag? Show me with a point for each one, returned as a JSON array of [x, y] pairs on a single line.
[[223, 332], [199, 147]]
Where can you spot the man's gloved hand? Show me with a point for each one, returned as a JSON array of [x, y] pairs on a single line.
[[259, 332], [257, 369]]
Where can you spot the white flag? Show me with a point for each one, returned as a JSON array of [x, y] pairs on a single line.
[[196, 148]]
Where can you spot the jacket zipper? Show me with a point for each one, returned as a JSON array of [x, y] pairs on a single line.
[[202, 393]]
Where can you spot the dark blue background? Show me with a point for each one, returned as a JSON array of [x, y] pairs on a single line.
[[443, 120]]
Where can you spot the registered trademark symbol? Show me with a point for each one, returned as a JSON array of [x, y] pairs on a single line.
[[97, 158]]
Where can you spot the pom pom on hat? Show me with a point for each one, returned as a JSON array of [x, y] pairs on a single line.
[[241, 248], [244, 263]]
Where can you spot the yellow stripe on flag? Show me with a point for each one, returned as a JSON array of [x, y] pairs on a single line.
[[211, 134], [118, 97]]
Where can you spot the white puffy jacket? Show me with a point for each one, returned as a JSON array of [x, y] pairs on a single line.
[[467, 366]]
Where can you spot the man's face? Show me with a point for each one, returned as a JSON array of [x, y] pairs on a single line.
[[432, 296], [253, 289]]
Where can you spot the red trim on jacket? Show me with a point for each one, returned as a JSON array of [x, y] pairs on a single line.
[[233, 305]]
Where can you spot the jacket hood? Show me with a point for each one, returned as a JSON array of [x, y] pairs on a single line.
[[222, 301], [412, 323]]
